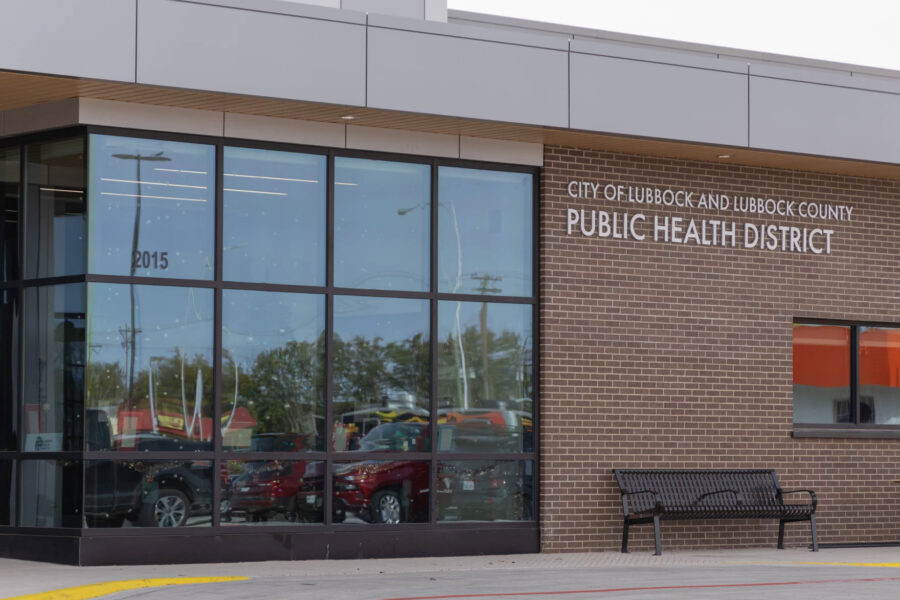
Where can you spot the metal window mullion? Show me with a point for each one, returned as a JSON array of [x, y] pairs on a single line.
[[219, 203], [855, 411], [328, 492], [432, 344]]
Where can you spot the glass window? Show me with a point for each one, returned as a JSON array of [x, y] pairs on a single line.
[[51, 493], [879, 375], [382, 216], [7, 492], [9, 214], [380, 491], [152, 208], [484, 377], [484, 232], [54, 209], [273, 492], [274, 217], [9, 372], [483, 490], [54, 357], [381, 366], [159, 493], [273, 371], [150, 376], [822, 374]]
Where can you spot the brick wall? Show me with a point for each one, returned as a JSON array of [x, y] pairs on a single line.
[[666, 355]]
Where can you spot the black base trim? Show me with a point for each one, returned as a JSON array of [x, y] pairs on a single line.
[[259, 546]]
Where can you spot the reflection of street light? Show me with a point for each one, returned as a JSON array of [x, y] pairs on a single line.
[[139, 158], [459, 268]]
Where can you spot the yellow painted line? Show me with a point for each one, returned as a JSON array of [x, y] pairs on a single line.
[[852, 564], [95, 590]]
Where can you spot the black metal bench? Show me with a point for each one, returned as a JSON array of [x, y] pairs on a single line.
[[653, 495]]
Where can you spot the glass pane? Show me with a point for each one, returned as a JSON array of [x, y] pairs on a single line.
[[821, 374], [152, 208], [9, 372], [149, 379], [485, 232], [382, 220], [380, 491], [274, 492], [879, 375], [54, 367], [273, 371], [51, 493], [483, 490], [159, 493], [274, 217], [381, 366], [54, 209], [7, 492], [9, 214], [485, 377]]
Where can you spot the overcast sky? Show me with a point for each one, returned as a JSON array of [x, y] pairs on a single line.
[[862, 32]]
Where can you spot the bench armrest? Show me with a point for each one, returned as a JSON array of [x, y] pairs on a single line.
[[657, 499], [812, 495], [737, 494]]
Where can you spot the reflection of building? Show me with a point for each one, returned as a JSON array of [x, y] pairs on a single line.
[[379, 248]]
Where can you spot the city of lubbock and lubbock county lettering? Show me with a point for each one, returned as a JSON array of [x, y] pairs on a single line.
[[628, 225]]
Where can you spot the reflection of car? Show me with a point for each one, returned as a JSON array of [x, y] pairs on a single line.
[[397, 436], [383, 491], [148, 441], [484, 491], [484, 430], [267, 488], [279, 442], [152, 494]]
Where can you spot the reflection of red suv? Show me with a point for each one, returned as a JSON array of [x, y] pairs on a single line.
[[271, 487], [383, 491]]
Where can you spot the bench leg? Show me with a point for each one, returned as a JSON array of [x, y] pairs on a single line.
[[815, 537], [625, 537], [781, 534], [656, 535]]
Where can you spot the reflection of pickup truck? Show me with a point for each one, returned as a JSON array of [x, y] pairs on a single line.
[[383, 491]]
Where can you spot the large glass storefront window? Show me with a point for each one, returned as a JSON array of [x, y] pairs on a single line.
[[9, 213], [484, 377], [56, 236], [150, 369], [273, 371], [821, 374], [54, 360], [152, 208], [324, 361], [274, 207], [381, 373], [485, 232], [381, 224]]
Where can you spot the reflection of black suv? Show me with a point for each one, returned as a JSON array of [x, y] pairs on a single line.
[[161, 493]]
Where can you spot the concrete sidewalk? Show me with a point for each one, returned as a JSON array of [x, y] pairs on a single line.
[[578, 575]]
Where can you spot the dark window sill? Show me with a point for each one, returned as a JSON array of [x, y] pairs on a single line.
[[886, 433]]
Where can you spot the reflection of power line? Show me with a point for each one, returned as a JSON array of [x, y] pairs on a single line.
[[484, 288]]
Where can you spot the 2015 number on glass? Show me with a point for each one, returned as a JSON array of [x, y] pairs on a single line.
[[150, 260]]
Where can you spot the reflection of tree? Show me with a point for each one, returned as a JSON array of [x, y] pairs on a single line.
[[283, 389], [506, 356], [369, 371]]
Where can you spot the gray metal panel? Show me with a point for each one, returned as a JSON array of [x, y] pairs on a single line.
[[537, 39], [839, 77], [412, 9], [649, 99], [467, 78], [204, 47], [824, 120], [328, 10], [660, 54], [88, 38]]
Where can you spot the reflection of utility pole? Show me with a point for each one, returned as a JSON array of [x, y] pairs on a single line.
[[483, 289], [138, 158]]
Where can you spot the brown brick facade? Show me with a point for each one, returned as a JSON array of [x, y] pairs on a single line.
[[665, 355]]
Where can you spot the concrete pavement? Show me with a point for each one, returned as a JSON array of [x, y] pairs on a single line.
[[755, 573]]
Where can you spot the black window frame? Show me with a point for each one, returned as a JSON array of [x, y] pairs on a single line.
[[855, 427]]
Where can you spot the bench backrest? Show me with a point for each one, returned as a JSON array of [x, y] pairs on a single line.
[[684, 487]]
